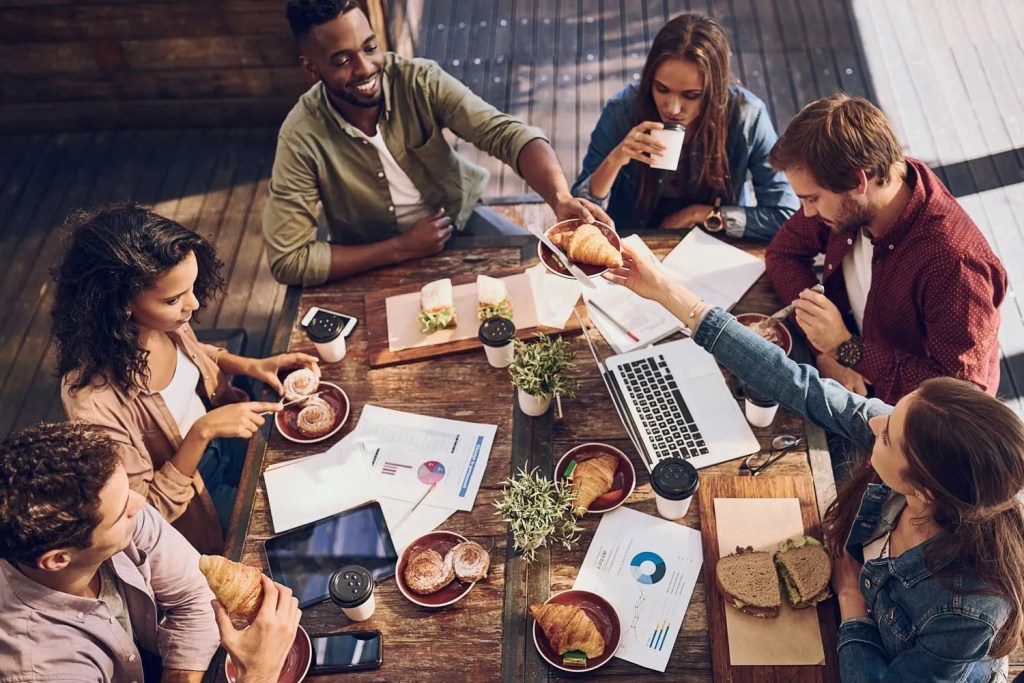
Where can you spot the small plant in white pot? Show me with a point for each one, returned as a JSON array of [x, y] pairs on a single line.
[[538, 373], [538, 511]]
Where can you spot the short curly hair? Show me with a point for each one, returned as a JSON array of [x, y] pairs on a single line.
[[114, 254], [303, 15], [51, 476]]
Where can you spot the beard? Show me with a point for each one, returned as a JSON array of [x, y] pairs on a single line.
[[852, 217]]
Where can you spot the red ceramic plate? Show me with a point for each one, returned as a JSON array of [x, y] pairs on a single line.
[[331, 393], [783, 338], [599, 611], [296, 664], [440, 542], [622, 485], [551, 261]]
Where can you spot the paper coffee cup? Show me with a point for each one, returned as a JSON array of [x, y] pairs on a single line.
[[760, 410], [351, 588], [674, 481], [325, 331], [672, 136], [497, 335]]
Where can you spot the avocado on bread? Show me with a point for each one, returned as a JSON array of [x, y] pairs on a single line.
[[805, 569], [748, 582]]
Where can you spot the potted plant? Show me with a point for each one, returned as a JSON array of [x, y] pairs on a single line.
[[537, 372], [538, 510]]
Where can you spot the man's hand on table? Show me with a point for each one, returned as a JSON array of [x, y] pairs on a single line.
[[427, 236], [829, 368], [259, 651]]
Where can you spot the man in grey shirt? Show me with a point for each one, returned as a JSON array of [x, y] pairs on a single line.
[[94, 582]]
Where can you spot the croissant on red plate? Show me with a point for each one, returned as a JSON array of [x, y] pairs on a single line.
[[589, 245], [569, 629], [592, 479]]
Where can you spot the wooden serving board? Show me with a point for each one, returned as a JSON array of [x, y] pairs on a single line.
[[801, 488], [379, 353]]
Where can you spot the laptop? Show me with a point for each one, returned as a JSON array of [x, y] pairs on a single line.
[[675, 403]]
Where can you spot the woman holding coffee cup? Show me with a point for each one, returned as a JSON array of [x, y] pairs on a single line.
[[666, 149]]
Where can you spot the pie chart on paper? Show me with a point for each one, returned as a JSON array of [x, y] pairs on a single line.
[[430, 472], [648, 568]]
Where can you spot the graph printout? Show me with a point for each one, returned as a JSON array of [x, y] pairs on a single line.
[[646, 567]]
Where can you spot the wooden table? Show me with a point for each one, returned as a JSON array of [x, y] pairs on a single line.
[[484, 637]]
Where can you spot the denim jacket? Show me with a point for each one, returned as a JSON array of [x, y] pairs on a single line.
[[751, 137], [920, 629]]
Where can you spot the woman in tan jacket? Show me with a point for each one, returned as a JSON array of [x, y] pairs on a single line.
[[130, 282]]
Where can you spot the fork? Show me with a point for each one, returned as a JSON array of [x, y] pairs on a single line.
[[784, 312]]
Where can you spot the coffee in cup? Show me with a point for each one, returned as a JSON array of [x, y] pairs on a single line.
[[674, 481]]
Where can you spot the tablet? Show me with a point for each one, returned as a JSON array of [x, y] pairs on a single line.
[[304, 558]]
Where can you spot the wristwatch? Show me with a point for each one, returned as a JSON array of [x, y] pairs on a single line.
[[715, 222], [850, 352]]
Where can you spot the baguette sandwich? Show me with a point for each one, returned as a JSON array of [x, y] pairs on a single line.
[[492, 298], [805, 569], [437, 307]]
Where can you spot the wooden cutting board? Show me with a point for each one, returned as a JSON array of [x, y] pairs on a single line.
[[801, 488], [379, 353]]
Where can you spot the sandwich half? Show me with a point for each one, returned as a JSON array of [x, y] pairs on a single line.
[[805, 569], [492, 298], [748, 582], [437, 308]]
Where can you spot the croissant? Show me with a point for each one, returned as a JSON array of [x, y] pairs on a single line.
[[237, 586], [569, 629], [592, 479], [589, 245]]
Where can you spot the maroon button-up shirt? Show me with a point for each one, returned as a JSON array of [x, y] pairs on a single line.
[[936, 287]]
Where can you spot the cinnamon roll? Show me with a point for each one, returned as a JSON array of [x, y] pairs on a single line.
[[302, 382], [316, 418]]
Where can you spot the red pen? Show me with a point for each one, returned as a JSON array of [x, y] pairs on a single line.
[[615, 322]]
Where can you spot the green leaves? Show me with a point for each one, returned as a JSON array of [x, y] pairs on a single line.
[[537, 367], [433, 321], [537, 509]]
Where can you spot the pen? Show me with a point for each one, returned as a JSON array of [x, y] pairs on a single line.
[[614, 321], [416, 505]]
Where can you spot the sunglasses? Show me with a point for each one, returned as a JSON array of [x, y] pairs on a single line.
[[781, 444]]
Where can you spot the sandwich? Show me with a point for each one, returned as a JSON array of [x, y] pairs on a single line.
[[805, 569], [492, 298], [748, 582], [437, 308]]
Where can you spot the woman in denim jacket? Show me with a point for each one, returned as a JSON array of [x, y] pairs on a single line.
[[728, 134], [929, 579]]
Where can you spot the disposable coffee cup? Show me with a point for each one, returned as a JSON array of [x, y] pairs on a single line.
[[760, 409], [497, 336], [672, 136], [351, 588], [325, 331], [674, 481]]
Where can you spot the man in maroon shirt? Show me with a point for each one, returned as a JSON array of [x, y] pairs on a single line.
[[912, 289]]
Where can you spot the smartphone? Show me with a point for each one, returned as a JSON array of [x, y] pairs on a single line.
[[347, 322], [352, 651]]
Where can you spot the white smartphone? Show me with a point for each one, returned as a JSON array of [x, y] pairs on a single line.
[[349, 322]]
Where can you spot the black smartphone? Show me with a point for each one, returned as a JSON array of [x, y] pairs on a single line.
[[352, 651]]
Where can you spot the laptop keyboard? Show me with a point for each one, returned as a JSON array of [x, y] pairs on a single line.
[[655, 396]]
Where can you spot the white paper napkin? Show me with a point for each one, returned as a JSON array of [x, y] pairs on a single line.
[[555, 297]]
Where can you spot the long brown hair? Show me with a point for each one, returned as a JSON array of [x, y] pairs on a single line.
[[967, 450], [698, 39]]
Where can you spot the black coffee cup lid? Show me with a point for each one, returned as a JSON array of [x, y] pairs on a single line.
[[674, 479], [497, 331], [758, 399], [324, 327], [674, 126], [351, 586]]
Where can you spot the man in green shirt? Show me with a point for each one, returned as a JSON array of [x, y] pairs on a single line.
[[366, 142]]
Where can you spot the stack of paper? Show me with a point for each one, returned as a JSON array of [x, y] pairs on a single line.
[[714, 270]]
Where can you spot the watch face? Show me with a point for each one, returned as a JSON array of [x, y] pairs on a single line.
[[713, 223], [849, 352]]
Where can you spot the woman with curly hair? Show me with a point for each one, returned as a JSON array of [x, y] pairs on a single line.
[[128, 286], [729, 134]]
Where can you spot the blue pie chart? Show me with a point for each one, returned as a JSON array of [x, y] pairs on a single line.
[[647, 567]]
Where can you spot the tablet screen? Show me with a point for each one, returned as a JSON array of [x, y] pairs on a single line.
[[304, 558]]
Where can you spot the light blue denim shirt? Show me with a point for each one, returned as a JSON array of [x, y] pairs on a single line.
[[750, 138], [921, 629]]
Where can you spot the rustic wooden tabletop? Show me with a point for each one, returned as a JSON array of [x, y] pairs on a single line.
[[485, 636]]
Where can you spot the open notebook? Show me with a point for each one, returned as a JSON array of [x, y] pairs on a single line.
[[713, 269]]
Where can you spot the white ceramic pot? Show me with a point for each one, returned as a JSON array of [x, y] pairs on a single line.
[[534, 406]]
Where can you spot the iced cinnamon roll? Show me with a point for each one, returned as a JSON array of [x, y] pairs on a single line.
[[302, 382], [316, 418]]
